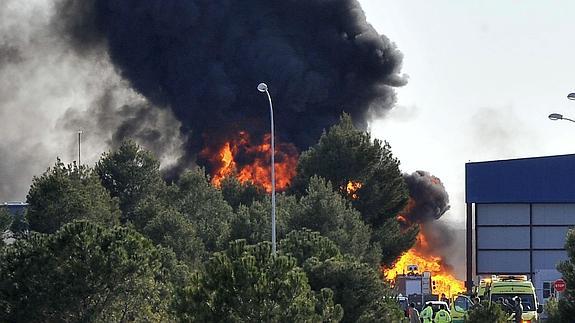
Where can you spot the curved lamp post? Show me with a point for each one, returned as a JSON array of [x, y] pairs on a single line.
[[262, 87], [557, 116]]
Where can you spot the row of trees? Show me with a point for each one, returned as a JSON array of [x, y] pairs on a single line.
[[118, 243]]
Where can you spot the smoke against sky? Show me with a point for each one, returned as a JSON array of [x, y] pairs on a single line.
[[172, 73], [203, 59], [43, 83]]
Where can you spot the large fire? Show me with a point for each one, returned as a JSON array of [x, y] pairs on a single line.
[[445, 281], [251, 162]]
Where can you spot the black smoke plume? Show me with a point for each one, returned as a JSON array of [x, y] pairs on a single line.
[[204, 59], [429, 197], [430, 201]]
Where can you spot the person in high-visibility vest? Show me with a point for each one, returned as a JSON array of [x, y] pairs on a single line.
[[426, 314], [442, 317]]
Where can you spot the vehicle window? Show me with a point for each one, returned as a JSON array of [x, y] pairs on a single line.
[[461, 304], [527, 300]]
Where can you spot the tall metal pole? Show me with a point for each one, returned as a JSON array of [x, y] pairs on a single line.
[[262, 87], [79, 148]]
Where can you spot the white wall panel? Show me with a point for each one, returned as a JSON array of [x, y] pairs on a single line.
[[554, 214], [502, 214], [502, 238], [503, 261], [549, 237], [547, 259]]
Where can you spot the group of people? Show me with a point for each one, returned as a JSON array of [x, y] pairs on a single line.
[[514, 307], [428, 315]]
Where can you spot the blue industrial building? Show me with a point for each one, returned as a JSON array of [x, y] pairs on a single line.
[[518, 215], [14, 208]]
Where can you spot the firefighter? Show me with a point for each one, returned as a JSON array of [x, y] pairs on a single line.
[[427, 314], [442, 317]]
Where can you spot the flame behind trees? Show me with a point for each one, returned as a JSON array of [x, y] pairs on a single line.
[[346, 156], [250, 162]]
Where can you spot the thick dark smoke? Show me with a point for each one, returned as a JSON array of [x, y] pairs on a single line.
[[430, 201], [430, 198], [204, 59], [180, 69]]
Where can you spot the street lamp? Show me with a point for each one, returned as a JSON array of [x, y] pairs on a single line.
[[262, 87], [557, 116]]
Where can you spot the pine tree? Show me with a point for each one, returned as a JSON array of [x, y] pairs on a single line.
[[247, 284]]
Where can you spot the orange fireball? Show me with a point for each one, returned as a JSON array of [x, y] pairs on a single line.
[[223, 162], [445, 281]]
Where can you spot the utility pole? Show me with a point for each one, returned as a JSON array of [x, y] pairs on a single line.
[[79, 148]]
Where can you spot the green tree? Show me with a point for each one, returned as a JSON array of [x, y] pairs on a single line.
[[345, 154], [305, 244], [65, 193], [85, 273], [393, 241], [486, 312], [19, 226], [327, 212], [357, 287], [5, 222], [553, 313], [253, 222], [130, 174], [246, 284], [204, 206], [165, 225], [236, 193], [5, 219], [567, 269]]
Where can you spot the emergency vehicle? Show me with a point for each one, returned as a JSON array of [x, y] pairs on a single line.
[[458, 308], [416, 287], [506, 287]]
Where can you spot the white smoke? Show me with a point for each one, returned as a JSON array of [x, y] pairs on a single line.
[[46, 92]]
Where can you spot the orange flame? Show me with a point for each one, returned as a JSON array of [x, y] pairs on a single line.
[[351, 189], [224, 162], [445, 281], [422, 255]]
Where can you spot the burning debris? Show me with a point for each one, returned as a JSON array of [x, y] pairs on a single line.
[[428, 202]]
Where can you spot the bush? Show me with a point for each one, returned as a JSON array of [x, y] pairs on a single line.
[[486, 312]]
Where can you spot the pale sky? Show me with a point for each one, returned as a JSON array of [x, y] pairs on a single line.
[[483, 77]]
